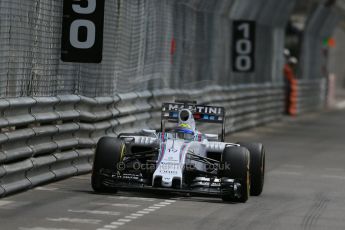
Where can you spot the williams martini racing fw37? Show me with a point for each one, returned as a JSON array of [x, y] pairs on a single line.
[[180, 158]]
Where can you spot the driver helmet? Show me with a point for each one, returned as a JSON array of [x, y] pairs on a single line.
[[184, 131]]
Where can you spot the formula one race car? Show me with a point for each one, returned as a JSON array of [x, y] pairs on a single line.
[[180, 159]]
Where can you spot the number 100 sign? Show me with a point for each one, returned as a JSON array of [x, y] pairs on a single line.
[[243, 46], [82, 31]]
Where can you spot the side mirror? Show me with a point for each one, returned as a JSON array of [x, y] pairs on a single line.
[[149, 132], [212, 137]]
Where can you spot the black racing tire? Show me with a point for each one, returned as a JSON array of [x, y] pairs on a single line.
[[257, 167], [107, 156], [239, 160]]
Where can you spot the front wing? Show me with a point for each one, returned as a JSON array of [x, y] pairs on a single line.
[[230, 187]]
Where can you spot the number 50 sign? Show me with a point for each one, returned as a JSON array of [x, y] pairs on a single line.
[[82, 31], [243, 46]]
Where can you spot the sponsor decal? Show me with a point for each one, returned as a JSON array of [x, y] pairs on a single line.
[[243, 48], [82, 31], [198, 109]]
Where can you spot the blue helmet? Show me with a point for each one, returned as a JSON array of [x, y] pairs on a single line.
[[185, 133], [184, 130]]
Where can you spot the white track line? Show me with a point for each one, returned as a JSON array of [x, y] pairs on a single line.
[[149, 209], [75, 220], [123, 221], [165, 203], [117, 205], [132, 198], [160, 205], [154, 207], [110, 226], [117, 223], [137, 214], [95, 212], [45, 189], [170, 201]]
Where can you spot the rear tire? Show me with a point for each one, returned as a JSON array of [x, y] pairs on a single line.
[[257, 167], [107, 156], [239, 160]]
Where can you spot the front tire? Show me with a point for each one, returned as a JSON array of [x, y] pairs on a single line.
[[107, 155], [239, 160], [257, 167]]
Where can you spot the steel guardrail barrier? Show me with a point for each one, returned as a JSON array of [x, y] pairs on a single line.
[[311, 95], [44, 139]]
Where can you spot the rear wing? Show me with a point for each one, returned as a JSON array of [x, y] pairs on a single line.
[[201, 113]]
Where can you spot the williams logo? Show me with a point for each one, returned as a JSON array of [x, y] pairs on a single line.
[[172, 149]]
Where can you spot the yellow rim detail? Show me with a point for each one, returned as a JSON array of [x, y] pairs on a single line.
[[122, 152], [185, 126]]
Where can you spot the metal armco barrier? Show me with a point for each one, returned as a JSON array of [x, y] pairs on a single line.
[[307, 95], [45, 139], [311, 95]]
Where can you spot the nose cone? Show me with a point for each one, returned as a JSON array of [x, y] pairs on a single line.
[[167, 181]]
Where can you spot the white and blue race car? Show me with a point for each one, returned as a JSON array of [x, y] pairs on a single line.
[[180, 159]]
